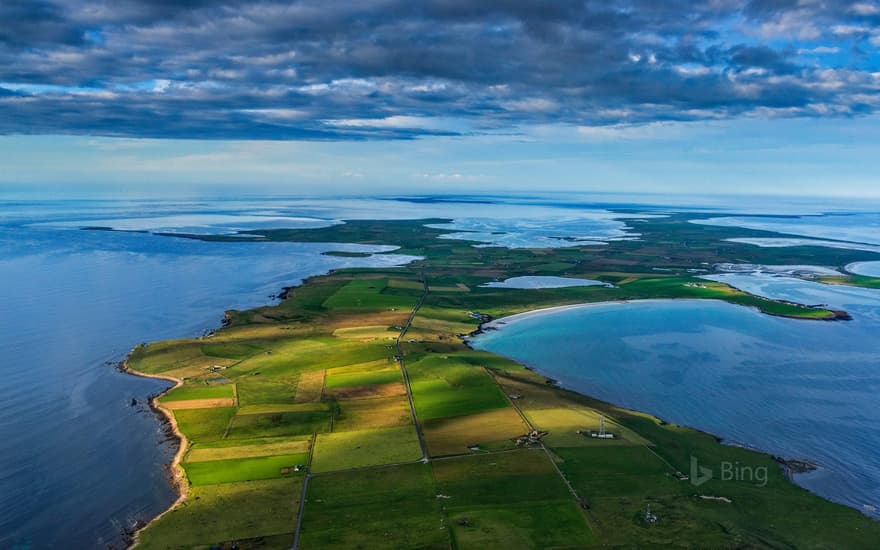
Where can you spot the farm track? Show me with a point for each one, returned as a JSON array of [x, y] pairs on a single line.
[[418, 426], [424, 458]]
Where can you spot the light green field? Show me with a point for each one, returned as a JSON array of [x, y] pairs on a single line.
[[247, 449], [202, 391], [369, 294], [369, 332], [283, 408], [257, 390], [204, 424], [343, 450], [385, 373], [442, 387], [243, 469]]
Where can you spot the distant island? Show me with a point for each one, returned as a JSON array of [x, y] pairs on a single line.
[[354, 414]]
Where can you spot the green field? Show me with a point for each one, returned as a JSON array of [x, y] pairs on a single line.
[[243, 469], [443, 386], [357, 449], [389, 509], [270, 424], [347, 377], [204, 424], [318, 382], [212, 514], [213, 391]]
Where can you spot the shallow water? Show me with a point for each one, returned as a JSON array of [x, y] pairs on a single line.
[[798, 389], [868, 269], [543, 281], [858, 227]]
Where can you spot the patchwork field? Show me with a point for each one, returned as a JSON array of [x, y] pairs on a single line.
[[513, 498], [311, 391]]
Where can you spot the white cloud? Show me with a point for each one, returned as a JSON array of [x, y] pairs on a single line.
[[865, 8], [848, 30], [819, 50], [533, 104]]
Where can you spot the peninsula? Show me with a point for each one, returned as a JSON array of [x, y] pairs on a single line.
[[353, 414]]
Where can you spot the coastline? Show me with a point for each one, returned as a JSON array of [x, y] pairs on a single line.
[[177, 476], [493, 324], [166, 417], [791, 467]]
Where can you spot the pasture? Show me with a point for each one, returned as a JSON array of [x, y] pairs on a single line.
[[357, 449]]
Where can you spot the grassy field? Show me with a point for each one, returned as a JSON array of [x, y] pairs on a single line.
[[367, 414], [213, 391], [490, 430], [315, 380], [512, 499], [247, 511], [443, 386], [247, 449], [372, 447], [390, 508], [229, 470], [269, 424], [367, 375]]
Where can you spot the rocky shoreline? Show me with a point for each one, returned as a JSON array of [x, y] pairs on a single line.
[[176, 475]]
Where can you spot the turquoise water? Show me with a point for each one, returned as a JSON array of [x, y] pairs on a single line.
[[798, 389]]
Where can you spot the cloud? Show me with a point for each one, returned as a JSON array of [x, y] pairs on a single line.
[[396, 69]]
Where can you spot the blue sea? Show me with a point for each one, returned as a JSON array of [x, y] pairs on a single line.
[[79, 464], [805, 390], [83, 458]]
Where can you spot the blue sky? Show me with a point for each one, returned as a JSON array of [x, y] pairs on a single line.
[[308, 97]]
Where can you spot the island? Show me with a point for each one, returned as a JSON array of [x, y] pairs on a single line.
[[354, 414]]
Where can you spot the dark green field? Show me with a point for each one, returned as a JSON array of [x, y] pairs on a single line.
[[413, 445]]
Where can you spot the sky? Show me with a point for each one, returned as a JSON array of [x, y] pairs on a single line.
[[311, 97]]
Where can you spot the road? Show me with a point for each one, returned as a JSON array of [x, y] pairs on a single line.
[[412, 407]]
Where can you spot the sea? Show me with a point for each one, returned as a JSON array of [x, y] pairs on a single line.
[[801, 390], [83, 459]]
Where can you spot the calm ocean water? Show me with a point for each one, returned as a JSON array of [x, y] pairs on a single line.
[[78, 462], [797, 389]]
